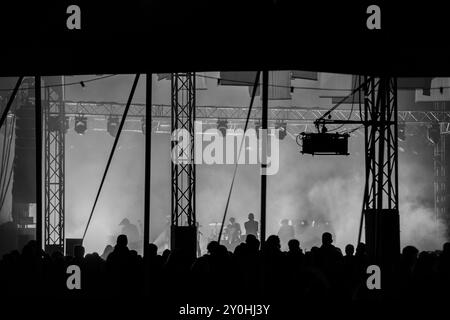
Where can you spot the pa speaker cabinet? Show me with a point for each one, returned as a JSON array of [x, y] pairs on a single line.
[[184, 239], [382, 235], [71, 243]]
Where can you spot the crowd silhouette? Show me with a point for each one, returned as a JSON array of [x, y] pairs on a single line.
[[250, 272]]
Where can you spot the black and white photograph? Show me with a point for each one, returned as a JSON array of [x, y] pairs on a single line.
[[261, 159]]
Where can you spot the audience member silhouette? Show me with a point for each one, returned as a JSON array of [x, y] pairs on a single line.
[[268, 272]]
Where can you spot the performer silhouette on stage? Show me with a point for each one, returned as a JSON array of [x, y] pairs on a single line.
[[285, 233], [251, 226], [233, 233]]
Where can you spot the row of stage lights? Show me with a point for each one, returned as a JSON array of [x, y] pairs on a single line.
[[81, 125], [113, 122]]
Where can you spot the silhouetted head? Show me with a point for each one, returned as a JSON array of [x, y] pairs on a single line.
[[294, 245], [446, 249], [122, 241], [222, 250], [251, 216], [212, 247], [327, 238], [152, 249], [78, 252], [273, 243], [252, 243], [410, 253], [166, 254], [232, 220], [349, 250], [240, 249], [124, 222]]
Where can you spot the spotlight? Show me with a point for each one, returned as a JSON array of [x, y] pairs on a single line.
[[54, 124], [281, 126], [222, 126], [80, 124], [113, 125], [401, 132]]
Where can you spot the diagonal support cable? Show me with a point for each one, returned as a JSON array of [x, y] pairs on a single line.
[[10, 101], [116, 140]]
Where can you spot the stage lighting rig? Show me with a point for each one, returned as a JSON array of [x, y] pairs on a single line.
[[113, 125], [80, 124], [222, 126], [257, 127], [281, 126]]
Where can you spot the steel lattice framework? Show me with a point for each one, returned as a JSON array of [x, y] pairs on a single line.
[[183, 169], [237, 113], [298, 119], [381, 144], [440, 176], [381, 207], [54, 175]]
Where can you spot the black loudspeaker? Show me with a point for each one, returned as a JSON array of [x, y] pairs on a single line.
[[24, 182], [184, 239], [71, 244], [382, 235]]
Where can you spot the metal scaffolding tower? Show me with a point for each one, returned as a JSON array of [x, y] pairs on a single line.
[[439, 166], [381, 148], [183, 222], [54, 149], [183, 169]]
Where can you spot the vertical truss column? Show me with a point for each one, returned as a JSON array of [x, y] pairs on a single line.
[[381, 191], [440, 204], [183, 172], [54, 202]]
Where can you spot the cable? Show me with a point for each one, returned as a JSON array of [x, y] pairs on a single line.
[[3, 151], [81, 82], [10, 101], [116, 140], [6, 156], [4, 189], [255, 85], [7, 188], [351, 109]]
